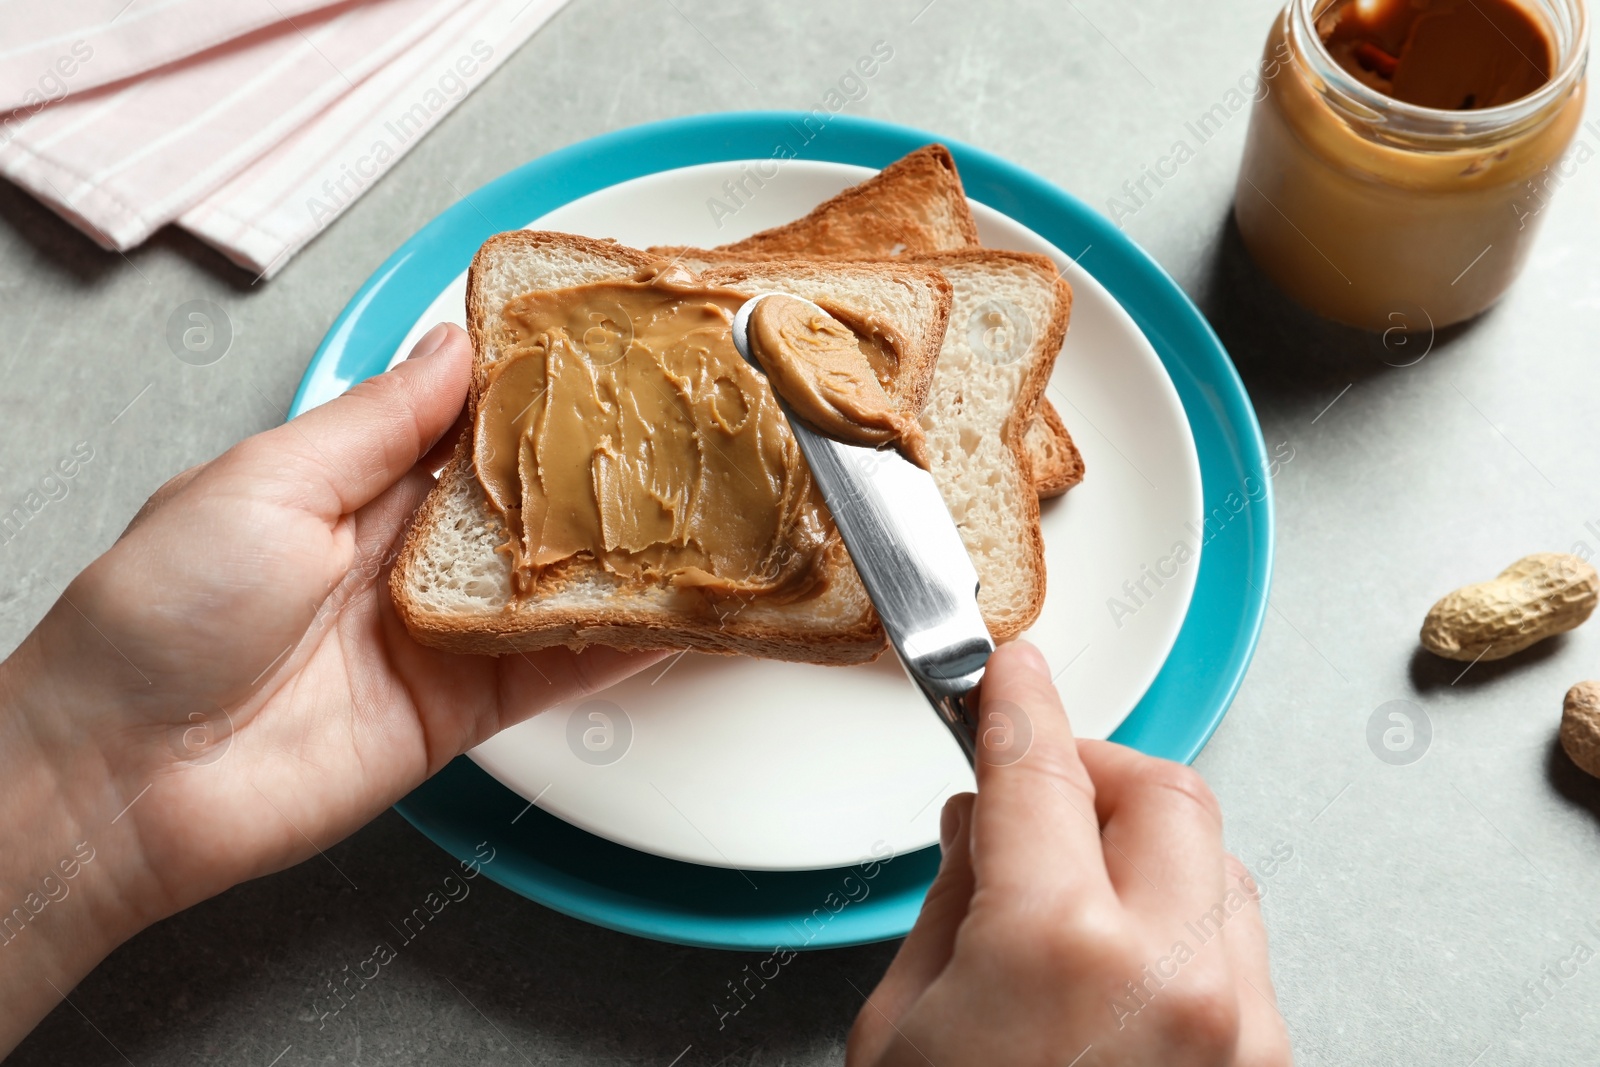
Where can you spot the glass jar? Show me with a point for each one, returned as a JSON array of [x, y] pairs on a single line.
[[1383, 214]]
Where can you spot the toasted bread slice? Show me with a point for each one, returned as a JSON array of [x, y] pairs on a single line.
[[454, 590], [915, 206]]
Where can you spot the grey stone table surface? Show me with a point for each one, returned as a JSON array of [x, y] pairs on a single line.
[[1438, 913]]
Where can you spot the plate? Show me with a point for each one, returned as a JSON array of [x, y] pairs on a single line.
[[759, 765], [625, 889]]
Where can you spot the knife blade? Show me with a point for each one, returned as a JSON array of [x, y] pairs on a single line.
[[910, 556]]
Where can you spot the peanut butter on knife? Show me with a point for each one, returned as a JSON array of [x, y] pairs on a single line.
[[815, 363]]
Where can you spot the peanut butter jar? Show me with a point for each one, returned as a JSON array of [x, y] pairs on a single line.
[[1400, 156]]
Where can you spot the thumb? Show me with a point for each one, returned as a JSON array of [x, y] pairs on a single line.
[[928, 947], [338, 457]]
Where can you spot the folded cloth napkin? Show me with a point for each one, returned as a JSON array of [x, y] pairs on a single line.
[[264, 215], [257, 143], [52, 48]]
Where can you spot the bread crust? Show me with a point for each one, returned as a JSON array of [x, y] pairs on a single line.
[[1057, 464], [894, 206]]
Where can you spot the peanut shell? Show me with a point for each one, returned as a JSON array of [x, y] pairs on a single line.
[[1534, 598], [1580, 726]]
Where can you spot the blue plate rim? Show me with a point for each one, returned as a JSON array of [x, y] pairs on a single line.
[[374, 322]]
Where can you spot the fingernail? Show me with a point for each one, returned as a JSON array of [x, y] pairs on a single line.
[[430, 342]]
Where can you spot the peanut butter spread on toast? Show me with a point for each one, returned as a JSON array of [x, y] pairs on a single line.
[[814, 362], [622, 426]]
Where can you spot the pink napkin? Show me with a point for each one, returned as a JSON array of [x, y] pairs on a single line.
[[257, 143], [49, 48], [281, 201]]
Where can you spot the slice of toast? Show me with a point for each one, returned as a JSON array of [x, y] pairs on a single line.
[[915, 206], [453, 587]]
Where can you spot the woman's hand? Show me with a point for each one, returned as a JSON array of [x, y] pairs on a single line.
[[228, 690], [1085, 913]]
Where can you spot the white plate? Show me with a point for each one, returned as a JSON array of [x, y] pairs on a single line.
[[762, 765]]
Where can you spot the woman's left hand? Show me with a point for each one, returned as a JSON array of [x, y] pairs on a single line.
[[228, 689]]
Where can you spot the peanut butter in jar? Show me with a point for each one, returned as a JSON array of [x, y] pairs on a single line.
[[1399, 159]]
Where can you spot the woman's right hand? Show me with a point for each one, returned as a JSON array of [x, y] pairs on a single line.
[[1085, 912]]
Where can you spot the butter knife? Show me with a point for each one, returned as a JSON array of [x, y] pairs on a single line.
[[910, 556]]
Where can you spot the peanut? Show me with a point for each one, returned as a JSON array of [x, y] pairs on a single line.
[[1537, 596], [1580, 726]]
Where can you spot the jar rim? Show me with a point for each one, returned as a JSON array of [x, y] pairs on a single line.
[[1572, 40]]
